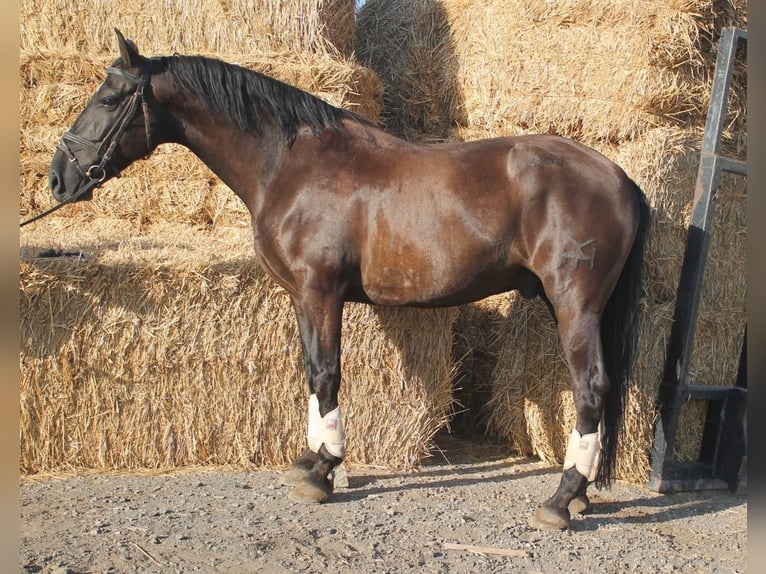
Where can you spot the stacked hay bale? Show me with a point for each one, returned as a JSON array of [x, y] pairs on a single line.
[[222, 26], [161, 343], [627, 77], [172, 348]]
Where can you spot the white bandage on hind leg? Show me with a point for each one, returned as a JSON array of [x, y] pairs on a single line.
[[327, 430], [583, 453]]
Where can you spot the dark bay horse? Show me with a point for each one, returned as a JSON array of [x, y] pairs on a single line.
[[342, 211]]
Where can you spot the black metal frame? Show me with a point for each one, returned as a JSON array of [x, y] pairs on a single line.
[[723, 446]]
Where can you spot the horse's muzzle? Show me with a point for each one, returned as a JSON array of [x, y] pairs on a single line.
[[66, 183]]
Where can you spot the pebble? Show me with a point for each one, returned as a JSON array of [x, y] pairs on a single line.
[[340, 478]]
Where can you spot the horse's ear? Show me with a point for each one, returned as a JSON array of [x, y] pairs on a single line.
[[128, 51]]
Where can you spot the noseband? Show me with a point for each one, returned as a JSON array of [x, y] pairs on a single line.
[[105, 149]]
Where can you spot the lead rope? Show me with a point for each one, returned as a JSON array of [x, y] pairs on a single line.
[[55, 207]]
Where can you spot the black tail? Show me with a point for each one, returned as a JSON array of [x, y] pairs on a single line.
[[619, 338]]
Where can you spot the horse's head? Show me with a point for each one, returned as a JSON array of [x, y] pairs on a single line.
[[112, 131]]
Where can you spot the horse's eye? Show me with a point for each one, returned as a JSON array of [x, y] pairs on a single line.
[[109, 101]]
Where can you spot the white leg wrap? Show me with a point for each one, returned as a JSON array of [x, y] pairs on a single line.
[[327, 430], [584, 453]]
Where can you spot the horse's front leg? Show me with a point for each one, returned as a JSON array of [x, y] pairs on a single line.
[[319, 321]]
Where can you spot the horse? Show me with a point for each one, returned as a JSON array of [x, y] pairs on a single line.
[[343, 211]]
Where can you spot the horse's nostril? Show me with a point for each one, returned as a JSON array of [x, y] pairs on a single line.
[[54, 182]]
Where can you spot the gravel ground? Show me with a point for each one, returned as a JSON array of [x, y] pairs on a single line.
[[241, 522]]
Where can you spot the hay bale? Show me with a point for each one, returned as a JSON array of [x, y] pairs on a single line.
[[479, 331], [528, 382], [172, 348], [409, 45], [322, 26], [172, 184], [595, 71], [664, 164]]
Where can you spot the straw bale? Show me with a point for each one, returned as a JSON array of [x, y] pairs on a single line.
[[527, 381], [664, 163], [324, 26], [409, 45], [581, 68], [478, 335], [170, 347], [172, 184]]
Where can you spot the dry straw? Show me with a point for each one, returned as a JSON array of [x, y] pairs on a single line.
[[227, 26], [478, 335], [171, 348], [593, 70]]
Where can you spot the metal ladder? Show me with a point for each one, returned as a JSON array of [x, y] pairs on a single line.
[[722, 457]]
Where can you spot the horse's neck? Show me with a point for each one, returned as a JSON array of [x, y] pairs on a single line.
[[242, 160]]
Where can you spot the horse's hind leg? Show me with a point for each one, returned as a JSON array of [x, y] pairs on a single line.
[[319, 322], [581, 340], [580, 503]]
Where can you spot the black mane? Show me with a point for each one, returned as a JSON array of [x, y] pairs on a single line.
[[247, 98]]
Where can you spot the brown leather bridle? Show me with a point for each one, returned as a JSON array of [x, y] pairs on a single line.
[[105, 148]]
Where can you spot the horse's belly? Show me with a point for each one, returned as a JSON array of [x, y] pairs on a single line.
[[429, 243], [443, 281]]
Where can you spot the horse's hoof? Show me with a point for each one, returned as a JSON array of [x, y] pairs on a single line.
[[547, 518], [293, 475], [311, 491], [579, 504]]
